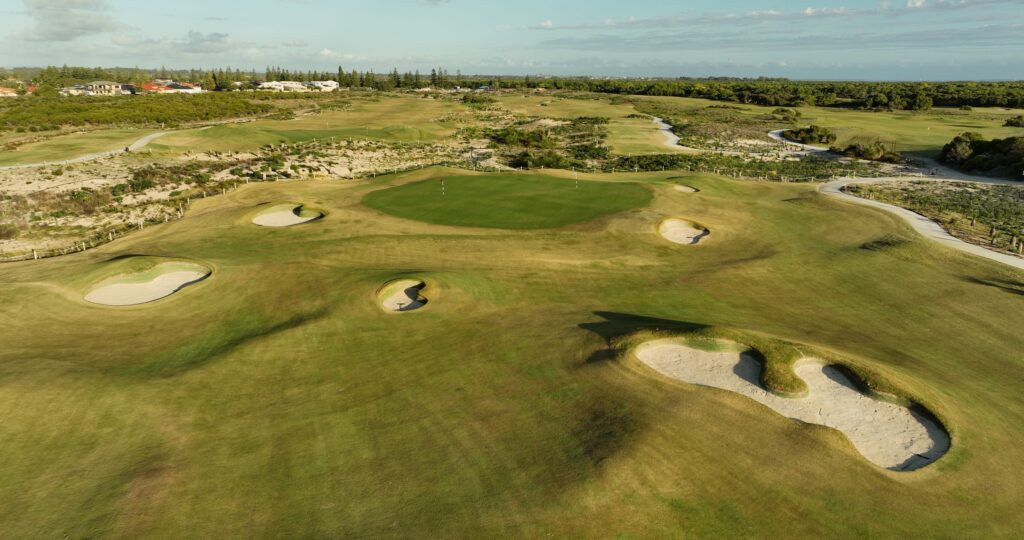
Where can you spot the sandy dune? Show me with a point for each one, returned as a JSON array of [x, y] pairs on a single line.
[[887, 434], [285, 215], [403, 295], [682, 232], [161, 281]]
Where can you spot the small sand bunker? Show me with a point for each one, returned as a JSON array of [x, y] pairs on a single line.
[[683, 232], [887, 434], [158, 282], [285, 215], [686, 189], [402, 295]]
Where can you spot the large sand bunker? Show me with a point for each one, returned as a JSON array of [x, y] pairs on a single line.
[[887, 434], [158, 282], [681, 231], [402, 295], [286, 215]]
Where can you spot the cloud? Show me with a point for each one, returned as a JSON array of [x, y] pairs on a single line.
[[765, 16], [68, 20], [294, 43], [200, 43], [332, 54]]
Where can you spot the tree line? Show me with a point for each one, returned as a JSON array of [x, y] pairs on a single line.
[[762, 91]]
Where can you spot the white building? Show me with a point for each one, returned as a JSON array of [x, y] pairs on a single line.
[[282, 86], [323, 86]]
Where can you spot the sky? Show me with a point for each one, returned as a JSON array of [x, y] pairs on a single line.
[[799, 39]]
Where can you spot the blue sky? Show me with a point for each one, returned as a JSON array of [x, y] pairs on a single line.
[[828, 39]]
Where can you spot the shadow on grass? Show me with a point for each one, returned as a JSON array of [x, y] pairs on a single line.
[[232, 334], [617, 325], [1011, 287]]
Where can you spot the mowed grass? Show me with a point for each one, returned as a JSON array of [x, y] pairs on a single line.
[[510, 201], [276, 399], [387, 118], [65, 147], [917, 132]]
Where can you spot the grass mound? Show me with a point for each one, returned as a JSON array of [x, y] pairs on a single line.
[[507, 201]]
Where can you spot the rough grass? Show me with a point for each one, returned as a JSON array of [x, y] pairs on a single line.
[[277, 400]]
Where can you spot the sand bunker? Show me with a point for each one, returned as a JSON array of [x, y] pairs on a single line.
[[158, 282], [402, 295], [683, 232], [887, 434], [687, 189], [285, 215]]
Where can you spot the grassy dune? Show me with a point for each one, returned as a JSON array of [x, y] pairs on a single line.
[[276, 399], [625, 135]]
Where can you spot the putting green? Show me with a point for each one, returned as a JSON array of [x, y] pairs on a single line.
[[511, 201]]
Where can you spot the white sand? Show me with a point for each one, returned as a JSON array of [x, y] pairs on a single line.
[[285, 215], [167, 279], [887, 434], [686, 189], [402, 296], [681, 231]]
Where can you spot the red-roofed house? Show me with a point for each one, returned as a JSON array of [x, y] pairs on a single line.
[[8, 92]]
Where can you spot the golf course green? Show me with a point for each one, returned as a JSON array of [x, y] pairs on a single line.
[[278, 399], [507, 201]]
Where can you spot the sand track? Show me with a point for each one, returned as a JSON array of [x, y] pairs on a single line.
[[887, 434], [140, 288], [681, 231], [402, 296], [285, 215]]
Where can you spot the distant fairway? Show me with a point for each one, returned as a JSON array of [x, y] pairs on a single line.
[[71, 146], [388, 118], [507, 201]]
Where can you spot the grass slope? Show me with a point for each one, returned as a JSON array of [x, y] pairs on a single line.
[[276, 399], [508, 201], [71, 146]]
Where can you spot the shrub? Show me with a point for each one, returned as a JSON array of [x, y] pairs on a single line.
[[811, 135]]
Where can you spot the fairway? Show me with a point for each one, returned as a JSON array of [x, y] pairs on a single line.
[[65, 147], [279, 383], [386, 118], [507, 201]]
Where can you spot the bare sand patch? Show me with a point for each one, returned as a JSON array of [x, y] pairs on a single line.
[[140, 288], [686, 189], [681, 231], [887, 434], [286, 215], [402, 295]]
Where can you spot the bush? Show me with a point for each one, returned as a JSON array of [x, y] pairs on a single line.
[[971, 152], [811, 135], [875, 151], [1016, 121], [8, 231]]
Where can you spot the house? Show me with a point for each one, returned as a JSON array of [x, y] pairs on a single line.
[[104, 88], [77, 90], [323, 86], [8, 92], [282, 86], [183, 88]]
